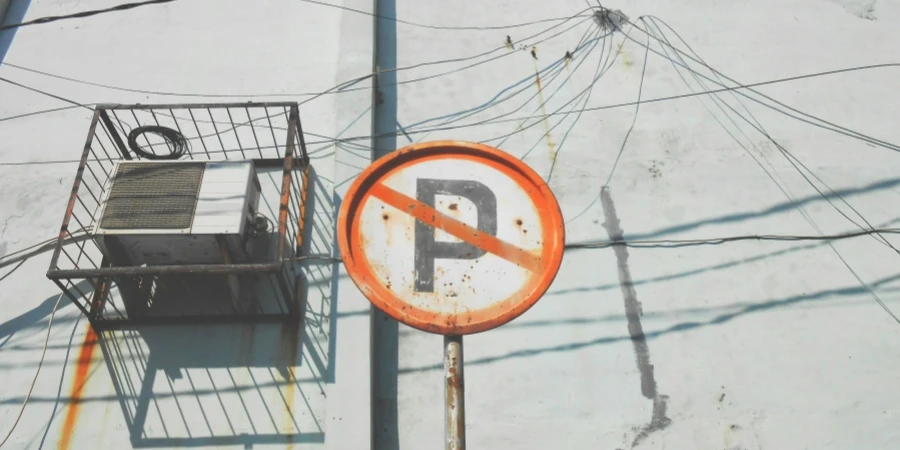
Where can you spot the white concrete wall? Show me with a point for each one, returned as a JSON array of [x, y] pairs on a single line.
[[750, 345]]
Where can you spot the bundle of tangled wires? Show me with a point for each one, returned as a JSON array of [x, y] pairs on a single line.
[[176, 142]]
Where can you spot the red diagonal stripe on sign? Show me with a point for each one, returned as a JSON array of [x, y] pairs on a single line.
[[457, 229]]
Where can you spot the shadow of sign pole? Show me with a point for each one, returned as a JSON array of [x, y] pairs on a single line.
[[11, 11], [385, 358]]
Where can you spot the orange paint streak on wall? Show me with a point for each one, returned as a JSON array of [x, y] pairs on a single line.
[[85, 355]]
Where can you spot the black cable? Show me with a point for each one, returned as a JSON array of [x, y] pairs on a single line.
[[82, 14], [643, 102], [599, 71], [175, 140], [438, 27], [788, 155], [72, 102], [43, 111], [832, 127], [518, 119], [40, 163], [720, 74], [21, 262], [492, 121], [75, 104], [545, 116], [637, 109], [343, 87], [580, 53], [526, 83], [87, 106], [675, 243], [338, 88]]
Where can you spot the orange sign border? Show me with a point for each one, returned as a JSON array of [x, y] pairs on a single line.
[[471, 322]]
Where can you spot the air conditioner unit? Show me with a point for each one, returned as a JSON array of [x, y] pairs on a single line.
[[178, 212], [181, 213]]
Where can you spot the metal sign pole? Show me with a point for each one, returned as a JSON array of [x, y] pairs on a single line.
[[398, 196], [454, 394]]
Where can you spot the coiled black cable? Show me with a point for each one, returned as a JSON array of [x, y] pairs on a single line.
[[176, 142]]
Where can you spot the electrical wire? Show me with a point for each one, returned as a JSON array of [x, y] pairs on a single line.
[[437, 27], [758, 126], [344, 87], [490, 121], [556, 68], [44, 111], [526, 83], [788, 155], [40, 163], [604, 63], [83, 14], [493, 121], [5, 276], [72, 102], [720, 74], [791, 159], [36, 373], [738, 87], [831, 126], [626, 104], [536, 122], [25, 253], [676, 243], [341, 87], [521, 129], [637, 109], [127, 6], [679, 243], [178, 141]]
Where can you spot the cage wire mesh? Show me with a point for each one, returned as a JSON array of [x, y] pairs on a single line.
[[269, 134]]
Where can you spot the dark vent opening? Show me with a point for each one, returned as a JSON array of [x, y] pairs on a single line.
[[153, 195]]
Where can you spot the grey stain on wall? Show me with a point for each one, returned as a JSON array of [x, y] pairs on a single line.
[[633, 312]]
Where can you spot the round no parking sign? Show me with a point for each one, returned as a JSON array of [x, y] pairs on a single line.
[[451, 237]]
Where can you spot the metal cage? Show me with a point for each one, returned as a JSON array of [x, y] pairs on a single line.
[[269, 134]]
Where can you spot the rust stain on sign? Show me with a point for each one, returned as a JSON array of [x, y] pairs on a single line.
[[82, 369]]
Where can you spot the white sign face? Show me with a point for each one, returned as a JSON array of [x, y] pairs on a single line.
[[428, 267], [451, 237]]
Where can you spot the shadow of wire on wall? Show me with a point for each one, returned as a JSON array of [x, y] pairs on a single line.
[[203, 385]]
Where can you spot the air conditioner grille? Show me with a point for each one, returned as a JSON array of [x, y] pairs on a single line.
[[153, 195]]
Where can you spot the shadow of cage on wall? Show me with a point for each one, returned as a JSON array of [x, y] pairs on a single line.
[[125, 293]]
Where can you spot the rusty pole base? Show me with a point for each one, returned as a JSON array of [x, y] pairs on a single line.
[[454, 394]]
